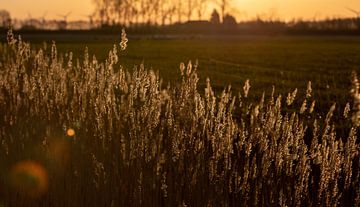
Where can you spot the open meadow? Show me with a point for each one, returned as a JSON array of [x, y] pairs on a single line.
[[286, 62], [139, 125]]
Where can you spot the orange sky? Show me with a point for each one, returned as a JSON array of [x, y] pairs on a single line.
[[288, 9], [246, 9], [36, 8]]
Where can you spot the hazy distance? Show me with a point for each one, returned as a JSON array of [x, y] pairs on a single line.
[[242, 9]]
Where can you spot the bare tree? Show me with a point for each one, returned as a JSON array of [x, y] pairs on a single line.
[[5, 18], [201, 7], [156, 11], [135, 12], [224, 6], [104, 10], [151, 8], [167, 9], [179, 10], [189, 9], [150, 11], [143, 10], [117, 11]]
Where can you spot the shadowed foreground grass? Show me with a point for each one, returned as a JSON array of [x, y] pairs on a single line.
[[93, 133]]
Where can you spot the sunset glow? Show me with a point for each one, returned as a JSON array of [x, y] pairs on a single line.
[[243, 9], [306, 9], [179, 103], [23, 9]]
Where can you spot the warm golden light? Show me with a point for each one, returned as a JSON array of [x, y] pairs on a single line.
[[70, 132], [29, 178], [24, 9], [288, 10], [242, 9]]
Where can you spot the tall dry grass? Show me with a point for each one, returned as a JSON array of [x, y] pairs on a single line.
[[108, 136]]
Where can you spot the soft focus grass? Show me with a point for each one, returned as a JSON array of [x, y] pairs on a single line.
[[282, 61]]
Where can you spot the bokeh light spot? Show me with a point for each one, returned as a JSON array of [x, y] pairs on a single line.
[[29, 178], [70, 132]]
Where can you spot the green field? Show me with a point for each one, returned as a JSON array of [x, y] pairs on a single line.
[[286, 62]]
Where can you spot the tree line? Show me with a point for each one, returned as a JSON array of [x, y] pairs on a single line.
[[5, 18], [156, 12]]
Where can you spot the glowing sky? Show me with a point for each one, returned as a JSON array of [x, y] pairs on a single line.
[[307, 9], [53, 8], [285, 9]]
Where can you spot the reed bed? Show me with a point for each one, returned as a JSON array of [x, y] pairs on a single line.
[[88, 133]]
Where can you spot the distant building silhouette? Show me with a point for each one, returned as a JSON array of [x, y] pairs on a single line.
[[215, 17]]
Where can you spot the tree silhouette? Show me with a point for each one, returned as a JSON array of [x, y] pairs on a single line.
[[200, 6], [5, 18], [223, 4], [229, 20]]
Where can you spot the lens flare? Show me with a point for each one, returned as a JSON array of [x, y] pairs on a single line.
[[70, 132], [29, 178]]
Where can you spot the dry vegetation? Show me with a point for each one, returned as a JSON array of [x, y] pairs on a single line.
[[85, 133]]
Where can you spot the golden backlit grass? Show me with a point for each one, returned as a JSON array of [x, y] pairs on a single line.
[[107, 136]]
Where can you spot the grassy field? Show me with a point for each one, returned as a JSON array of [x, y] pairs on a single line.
[[92, 133], [286, 62]]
